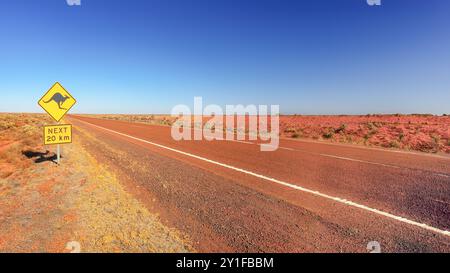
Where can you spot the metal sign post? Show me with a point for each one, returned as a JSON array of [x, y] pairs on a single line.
[[58, 156], [58, 152]]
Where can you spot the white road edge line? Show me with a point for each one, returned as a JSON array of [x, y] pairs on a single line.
[[317, 193]]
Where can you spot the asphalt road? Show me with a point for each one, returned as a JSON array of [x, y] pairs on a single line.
[[303, 197]]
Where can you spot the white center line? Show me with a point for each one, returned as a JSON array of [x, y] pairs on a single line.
[[296, 187], [364, 161], [326, 155]]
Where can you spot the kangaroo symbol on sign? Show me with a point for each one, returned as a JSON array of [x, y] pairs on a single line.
[[59, 99]]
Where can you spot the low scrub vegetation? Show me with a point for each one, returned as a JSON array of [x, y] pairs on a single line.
[[425, 133]]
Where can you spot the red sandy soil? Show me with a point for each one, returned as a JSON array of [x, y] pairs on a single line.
[[45, 207]]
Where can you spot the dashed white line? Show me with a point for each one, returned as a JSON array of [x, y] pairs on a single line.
[[296, 187], [289, 149], [335, 156], [364, 161]]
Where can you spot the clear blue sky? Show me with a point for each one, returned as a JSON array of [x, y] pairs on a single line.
[[310, 57]]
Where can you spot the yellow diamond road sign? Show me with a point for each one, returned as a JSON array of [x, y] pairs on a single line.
[[57, 102]]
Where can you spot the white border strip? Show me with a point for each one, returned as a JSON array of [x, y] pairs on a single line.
[[316, 193]]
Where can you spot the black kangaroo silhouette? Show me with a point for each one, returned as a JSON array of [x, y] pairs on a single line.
[[59, 99]]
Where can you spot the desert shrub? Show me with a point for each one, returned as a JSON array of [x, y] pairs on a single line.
[[341, 128], [295, 135], [290, 130], [371, 125], [328, 135], [32, 140], [29, 130], [4, 125], [12, 154], [349, 139], [424, 143], [435, 138], [394, 144], [373, 132], [428, 147]]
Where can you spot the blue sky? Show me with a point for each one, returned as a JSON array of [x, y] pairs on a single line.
[[310, 57]]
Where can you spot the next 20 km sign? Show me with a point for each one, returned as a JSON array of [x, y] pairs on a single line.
[[57, 134]]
